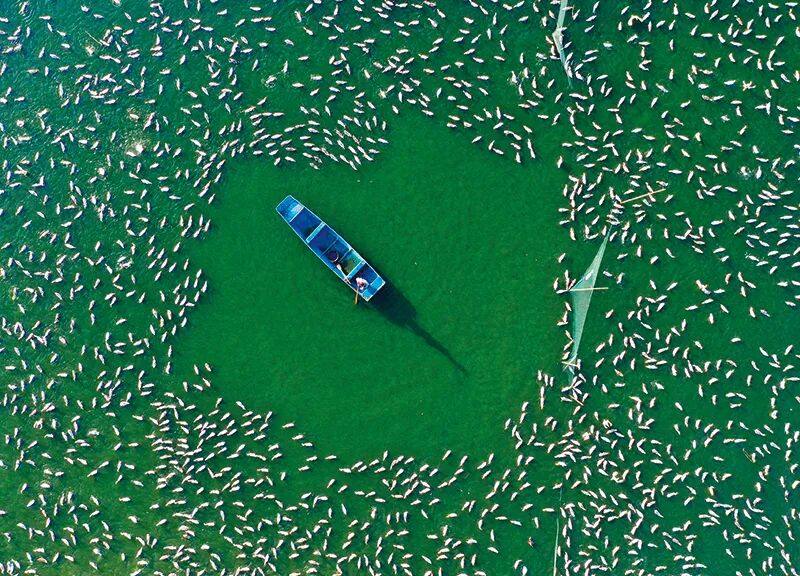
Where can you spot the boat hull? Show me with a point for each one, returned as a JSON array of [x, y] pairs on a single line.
[[334, 251]]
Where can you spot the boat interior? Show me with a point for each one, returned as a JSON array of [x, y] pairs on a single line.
[[304, 223]]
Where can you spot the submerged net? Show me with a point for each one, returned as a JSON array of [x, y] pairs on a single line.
[[581, 294], [562, 12], [558, 38]]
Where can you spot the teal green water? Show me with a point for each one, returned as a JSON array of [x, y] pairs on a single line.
[[185, 388]]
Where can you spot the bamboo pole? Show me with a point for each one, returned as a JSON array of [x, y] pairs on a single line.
[[588, 289], [649, 193]]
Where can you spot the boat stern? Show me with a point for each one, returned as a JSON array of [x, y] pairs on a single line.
[[373, 288], [374, 282]]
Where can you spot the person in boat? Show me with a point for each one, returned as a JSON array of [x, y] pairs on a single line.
[[334, 256], [361, 283]]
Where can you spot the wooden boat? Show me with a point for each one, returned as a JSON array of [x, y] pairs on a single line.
[[331, 248]]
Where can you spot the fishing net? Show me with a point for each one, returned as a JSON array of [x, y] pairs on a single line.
[[562, 12], [581, 294], [558, 38]]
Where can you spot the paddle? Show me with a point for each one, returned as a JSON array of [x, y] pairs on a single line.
[[355, 302]]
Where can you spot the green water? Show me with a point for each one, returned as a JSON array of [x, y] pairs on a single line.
[[444, 356], [435, 430]]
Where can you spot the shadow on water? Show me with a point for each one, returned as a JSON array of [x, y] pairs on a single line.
[[397, 309]]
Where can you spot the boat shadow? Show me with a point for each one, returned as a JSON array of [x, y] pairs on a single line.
[[397, 309]]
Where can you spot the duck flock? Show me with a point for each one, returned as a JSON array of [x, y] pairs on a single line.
[[669, 447]]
